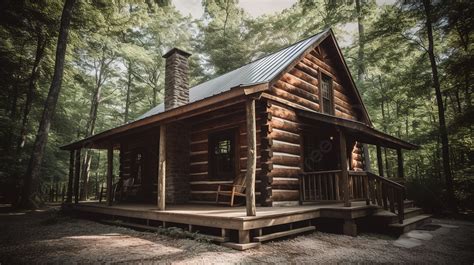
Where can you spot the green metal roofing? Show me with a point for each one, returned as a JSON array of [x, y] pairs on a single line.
[[259, 71]]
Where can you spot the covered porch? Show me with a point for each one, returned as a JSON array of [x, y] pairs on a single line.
[[349, 181]]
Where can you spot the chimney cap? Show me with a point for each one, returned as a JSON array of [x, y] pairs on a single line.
[[176, 50]]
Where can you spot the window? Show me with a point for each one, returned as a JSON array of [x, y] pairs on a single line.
[[326, 95], [222, 154]]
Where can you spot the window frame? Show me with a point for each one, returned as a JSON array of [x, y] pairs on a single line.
[[213, 139], [323, 77]]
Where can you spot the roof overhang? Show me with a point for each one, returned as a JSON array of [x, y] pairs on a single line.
[[106, 138], [359, 130]]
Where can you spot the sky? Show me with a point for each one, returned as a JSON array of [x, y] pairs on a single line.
[[254, 7]]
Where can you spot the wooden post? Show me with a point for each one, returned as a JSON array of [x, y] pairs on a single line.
[[77, 175], [379, 160], [162, 170], [251, 157], [344, 170], [401, 173], [110, 170], [70, 180]]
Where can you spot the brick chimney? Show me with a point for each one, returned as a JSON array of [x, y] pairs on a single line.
[[176, 78]]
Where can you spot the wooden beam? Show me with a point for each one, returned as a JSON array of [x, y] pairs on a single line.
[[379, 160], [77, 175], [401, 173], [344, 165], [251, 157], [162, 170], [70, 180], [110, 170]]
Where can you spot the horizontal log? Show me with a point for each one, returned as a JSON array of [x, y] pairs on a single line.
[[284, 172], [285, 195], [299, 83], [199, 158], [343, 115], [285, 183], [323, 66], [313, 80], [199, 147], [278, 92], [286, 159], [282, 112], [285, 125], [284, 147], [282, 135], [198, 168]]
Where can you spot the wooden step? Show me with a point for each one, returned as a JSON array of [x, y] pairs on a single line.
[[283, 234], [412, 212], [410, 223], [241, 247], [409, 203]]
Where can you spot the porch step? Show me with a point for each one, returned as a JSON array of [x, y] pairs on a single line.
[[412, 212], [409, 203], [284, 233], [241, 247], [410, 223], [389, 217]]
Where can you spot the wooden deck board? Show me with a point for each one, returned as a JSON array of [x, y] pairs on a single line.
[[227, 217]]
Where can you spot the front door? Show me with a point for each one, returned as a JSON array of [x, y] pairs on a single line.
[[320, 151]]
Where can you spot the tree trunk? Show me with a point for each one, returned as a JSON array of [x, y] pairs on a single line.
[[41, 44], [360, 52], [90, 131], [31, 190], [441, 117], [129, 88]]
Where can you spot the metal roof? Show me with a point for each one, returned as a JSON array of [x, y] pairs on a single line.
[[259, 71]]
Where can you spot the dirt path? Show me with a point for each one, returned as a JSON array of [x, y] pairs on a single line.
[[48, 237]]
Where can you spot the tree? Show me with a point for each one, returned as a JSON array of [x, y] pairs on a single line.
[[31, 187], [439, 100]]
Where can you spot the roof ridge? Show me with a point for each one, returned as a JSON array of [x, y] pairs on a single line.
[[265, 56]]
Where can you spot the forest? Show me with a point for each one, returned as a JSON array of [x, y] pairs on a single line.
[[70, 69]]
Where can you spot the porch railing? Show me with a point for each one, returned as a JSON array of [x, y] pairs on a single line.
[[387, 194], [321, 186], [324, 186]]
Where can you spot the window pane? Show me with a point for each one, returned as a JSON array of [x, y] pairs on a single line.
[[326, 93]]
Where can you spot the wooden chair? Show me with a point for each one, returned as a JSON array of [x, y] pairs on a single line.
[[237, 188]]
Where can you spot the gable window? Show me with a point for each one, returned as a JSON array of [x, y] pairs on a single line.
[[222, 154], [326, 95]]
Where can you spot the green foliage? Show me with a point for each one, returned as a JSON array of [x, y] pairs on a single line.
[[117, 46]]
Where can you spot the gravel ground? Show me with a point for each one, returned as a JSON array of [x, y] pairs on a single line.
[[48, 237]]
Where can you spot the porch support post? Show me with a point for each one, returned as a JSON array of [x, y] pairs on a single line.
[[344, 170], [401, 173], [162, 169], [251, 157], [110, 170], [77, 174], [379, 160], [70, 180]]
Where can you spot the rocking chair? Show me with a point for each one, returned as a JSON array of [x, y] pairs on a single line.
[[237, 188]]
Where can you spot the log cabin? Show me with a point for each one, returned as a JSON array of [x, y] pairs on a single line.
[[260, 152]]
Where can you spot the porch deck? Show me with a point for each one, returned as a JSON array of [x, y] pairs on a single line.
[[223, 222]]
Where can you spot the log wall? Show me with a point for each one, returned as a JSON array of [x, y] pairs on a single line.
[[300, 85], [203, 184]]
